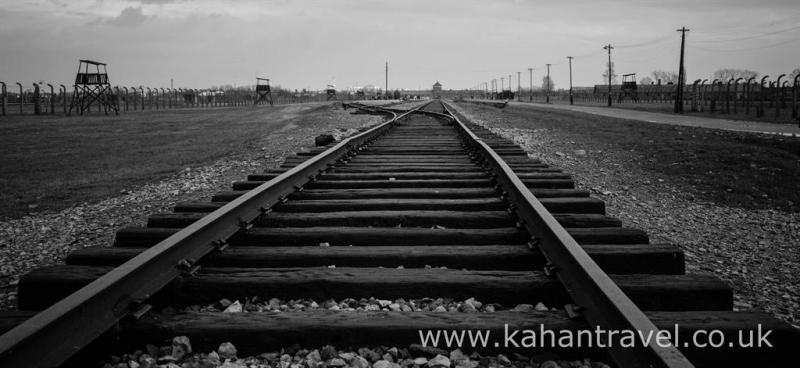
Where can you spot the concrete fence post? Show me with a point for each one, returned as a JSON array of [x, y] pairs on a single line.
[[702, 93], [63, 92], [3, 98], [126, 97], [52, 99], [749, 99], [116, 99], [728, 97], [783, 93], [762, 93], [714, 97], [736, 95], [20, 97], [778, 95], [794, 96], [135, 100]]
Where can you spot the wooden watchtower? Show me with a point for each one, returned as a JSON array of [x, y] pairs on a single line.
[[92, 86], [330, 92], [263, 91]]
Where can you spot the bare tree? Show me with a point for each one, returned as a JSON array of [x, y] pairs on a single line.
[[794, 74], [548, 86], [664, 76], [729, 73], [646, 81], [613, 73]]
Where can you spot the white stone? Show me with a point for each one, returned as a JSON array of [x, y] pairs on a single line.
[[235, 307]]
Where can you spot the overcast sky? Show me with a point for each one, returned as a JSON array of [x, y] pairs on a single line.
[[306, 44]]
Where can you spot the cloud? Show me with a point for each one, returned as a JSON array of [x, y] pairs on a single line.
[[129, 17]]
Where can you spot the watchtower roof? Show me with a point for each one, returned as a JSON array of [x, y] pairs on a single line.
[[92, 62]]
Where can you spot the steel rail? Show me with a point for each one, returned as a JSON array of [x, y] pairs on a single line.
[[600, 301], [52, 336]]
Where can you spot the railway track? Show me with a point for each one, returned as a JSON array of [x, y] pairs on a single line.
[[424, 205]]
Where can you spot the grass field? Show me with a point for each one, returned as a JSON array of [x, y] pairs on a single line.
[[49, 163], [736, 169]]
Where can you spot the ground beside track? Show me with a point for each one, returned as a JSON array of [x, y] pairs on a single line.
[[215, 147], [674, 183], [53, 162], [739, 121]]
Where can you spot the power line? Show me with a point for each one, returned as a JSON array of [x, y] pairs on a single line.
[[645, 43], [772, 33], [788, 19], [746, 48], [593, 53]]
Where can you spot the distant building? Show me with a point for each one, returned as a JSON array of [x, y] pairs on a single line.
[[437, 90]]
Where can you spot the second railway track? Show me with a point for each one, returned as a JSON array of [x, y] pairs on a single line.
[[464, 212]]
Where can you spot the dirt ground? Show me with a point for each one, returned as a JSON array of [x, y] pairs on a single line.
[[729, 200], [52, 162], [667, 107], [211, 155]]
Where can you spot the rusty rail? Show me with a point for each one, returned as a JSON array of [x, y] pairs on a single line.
[[52, 336], [598, 299]]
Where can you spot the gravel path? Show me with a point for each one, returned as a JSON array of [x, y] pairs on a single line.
[[42, 239], [754, 250]]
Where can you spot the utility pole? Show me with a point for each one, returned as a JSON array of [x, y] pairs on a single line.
[[570, 79], [502, 84], [519, 89], [530, 96], [609, 47], [681, 75], [548, 84], [387, 78]]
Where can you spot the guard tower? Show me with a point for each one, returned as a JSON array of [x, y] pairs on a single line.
[[628, 88], [330, 92], [92, 86], [437, 90], [263, 92]]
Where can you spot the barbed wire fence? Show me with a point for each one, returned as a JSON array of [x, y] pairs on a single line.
[[49, 99]]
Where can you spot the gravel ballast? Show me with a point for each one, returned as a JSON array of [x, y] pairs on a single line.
[[180, 354], [439, 305], [755, 250]]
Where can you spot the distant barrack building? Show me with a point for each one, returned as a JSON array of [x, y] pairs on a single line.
[[437, 90]]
